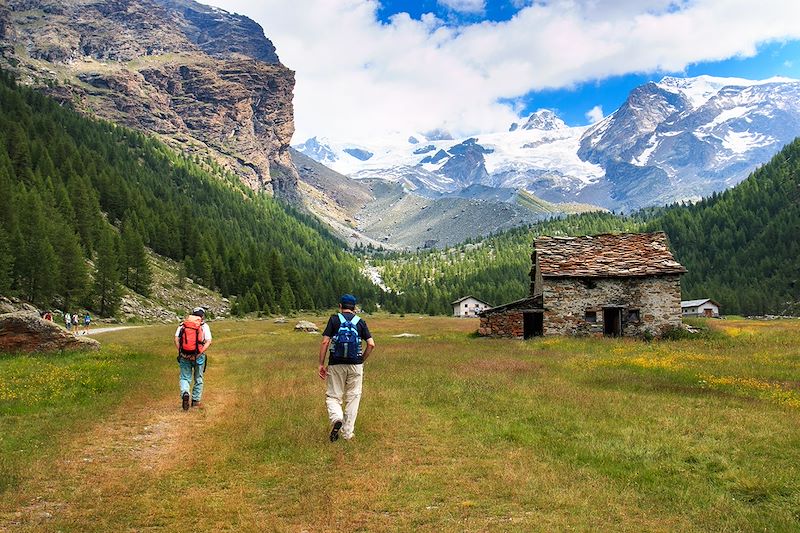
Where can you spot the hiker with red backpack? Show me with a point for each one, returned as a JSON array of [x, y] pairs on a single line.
[[192, 338], [345, 371]]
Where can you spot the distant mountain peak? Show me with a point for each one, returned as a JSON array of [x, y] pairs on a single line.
[[317, 150], [543, 119]]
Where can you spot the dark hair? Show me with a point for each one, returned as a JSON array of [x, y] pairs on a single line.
[[349, 306]]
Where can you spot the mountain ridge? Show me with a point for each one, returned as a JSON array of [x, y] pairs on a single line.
[[678, 139], [206, 81]]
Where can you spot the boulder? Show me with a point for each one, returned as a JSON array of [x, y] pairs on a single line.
[[281, 320], [305, 325], [26, 332]]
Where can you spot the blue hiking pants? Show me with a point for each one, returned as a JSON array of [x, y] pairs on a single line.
[[187, 369]]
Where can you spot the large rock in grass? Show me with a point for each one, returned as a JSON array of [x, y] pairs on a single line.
[[305, 325], [27, 332]]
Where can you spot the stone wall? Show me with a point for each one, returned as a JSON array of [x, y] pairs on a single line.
[[502, 324], [657, 298]]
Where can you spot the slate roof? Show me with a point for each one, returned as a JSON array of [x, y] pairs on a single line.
[[606, 255], [528, 304]]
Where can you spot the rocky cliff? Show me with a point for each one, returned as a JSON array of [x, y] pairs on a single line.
[[206, 81]]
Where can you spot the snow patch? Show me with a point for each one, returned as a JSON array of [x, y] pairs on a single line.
[[740, 142]]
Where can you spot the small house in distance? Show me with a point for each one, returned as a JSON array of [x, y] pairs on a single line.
[[704, 307], [610, 284], [469, 306]]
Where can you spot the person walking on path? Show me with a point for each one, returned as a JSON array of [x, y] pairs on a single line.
[[68, 321], [192, 339], [75, 323], [87, 320], [345, 371]]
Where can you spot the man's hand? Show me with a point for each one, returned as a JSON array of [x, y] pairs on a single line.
[[323, 372]]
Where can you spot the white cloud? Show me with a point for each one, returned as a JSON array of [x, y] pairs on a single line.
[[595, 114], [464, 6], [359, 77]]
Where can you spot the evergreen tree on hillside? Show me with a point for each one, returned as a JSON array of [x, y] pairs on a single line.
[[107, 289], [6, 261], [36, 265], [73, 279], [135, 266]]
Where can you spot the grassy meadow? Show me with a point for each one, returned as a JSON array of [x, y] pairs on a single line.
[[455, 433]]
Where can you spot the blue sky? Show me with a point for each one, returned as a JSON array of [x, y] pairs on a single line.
[[776, 59], [493, 10], [393, 67], [572, 103]]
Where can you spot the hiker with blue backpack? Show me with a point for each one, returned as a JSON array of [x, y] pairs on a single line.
[[344, 374]]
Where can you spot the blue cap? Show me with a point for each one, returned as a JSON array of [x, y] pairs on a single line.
[[347, 299]]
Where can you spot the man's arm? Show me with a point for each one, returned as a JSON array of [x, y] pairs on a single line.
[[323, 349], [208, 338], [177, 342], [369, 348]]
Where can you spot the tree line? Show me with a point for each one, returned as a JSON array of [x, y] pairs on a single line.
[[81, 199]]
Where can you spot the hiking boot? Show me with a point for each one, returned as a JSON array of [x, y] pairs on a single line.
[[335, 430], [197, 403], [185, 402]]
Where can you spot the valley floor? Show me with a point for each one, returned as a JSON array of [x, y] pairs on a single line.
[[455, 433]]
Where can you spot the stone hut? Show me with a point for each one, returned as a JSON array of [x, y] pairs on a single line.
[[610, 284]]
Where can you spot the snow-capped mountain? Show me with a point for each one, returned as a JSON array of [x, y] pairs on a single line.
[[684, 138], [678, 139]]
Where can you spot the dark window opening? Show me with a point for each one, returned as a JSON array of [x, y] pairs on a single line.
[[532, 324], [589, 283], [590, 316], [634, 315]]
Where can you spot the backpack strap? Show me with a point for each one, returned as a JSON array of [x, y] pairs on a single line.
[[342, 319], [355, 320]]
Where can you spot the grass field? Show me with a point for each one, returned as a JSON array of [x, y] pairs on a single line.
[[455, 433]]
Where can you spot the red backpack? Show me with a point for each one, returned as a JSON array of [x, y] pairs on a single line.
[[192, 337]]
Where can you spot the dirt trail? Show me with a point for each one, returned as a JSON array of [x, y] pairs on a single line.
[[109, 329], [134, 442]]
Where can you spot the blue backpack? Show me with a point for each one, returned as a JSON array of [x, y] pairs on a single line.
[[346, 343]]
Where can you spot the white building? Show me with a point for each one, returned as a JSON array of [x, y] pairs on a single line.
[[705, 307], [469, 306]]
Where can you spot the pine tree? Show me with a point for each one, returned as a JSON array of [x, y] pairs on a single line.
[[6, 261], [135, 267], [74, 275], [36, 266], [107, 288], [205, 270], [287, 301]]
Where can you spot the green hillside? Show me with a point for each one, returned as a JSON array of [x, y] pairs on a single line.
[[74, 190], [741, 248]]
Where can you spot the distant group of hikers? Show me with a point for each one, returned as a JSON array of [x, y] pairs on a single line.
[[344, 374], [72, 321]]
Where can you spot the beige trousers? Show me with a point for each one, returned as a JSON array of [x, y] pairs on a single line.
[[344, 384]]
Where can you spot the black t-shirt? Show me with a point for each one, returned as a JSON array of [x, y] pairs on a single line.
[[332, 328]]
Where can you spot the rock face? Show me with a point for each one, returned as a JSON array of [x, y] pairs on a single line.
[[206, 81], [26, 332]]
